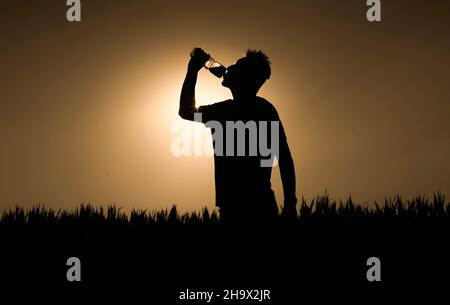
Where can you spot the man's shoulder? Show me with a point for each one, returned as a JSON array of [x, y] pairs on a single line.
[[225, 103], [216, 111], [266, 105]]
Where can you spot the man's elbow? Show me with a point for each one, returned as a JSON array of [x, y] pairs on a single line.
[[182, 114], [186, 115]]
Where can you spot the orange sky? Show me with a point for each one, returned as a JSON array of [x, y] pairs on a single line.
[[87, 108]]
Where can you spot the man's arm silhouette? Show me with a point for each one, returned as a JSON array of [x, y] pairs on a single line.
[[187, 98], [287, 173]]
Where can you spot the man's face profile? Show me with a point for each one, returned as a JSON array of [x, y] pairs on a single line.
[[236, 75]]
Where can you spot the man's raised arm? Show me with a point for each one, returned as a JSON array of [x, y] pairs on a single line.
[[187, 97]]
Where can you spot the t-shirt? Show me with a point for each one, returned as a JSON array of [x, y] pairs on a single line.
[[242, 135]]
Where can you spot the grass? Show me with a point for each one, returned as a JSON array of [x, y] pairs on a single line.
[[89, 214], [328, 244], [320, 208]]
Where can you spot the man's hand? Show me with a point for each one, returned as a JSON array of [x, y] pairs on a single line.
[[198, 59]]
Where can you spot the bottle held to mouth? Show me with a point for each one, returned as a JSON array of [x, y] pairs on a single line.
[[215, 67]]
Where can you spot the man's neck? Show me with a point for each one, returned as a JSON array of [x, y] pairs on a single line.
[[243, 96]]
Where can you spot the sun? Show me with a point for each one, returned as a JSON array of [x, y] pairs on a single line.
[[157, 106], [209, 89], [163, 98]]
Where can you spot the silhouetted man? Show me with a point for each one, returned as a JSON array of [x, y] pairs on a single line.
[[243, 188]]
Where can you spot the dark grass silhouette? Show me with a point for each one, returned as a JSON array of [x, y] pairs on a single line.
[[163, 252], [321, 208]]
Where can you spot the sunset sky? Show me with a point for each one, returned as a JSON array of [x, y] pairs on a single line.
[[86, 108]]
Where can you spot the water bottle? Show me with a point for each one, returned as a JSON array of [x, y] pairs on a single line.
[[214, 66]]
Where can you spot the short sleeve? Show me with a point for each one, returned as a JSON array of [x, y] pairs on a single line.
[[212, 112], [207, 112], [271, 114]]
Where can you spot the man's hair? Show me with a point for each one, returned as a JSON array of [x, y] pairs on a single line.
[[259, 65]]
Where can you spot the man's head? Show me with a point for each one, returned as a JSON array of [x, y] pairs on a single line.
[[249, 73]]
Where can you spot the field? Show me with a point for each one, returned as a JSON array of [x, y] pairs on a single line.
[[163, 253]]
